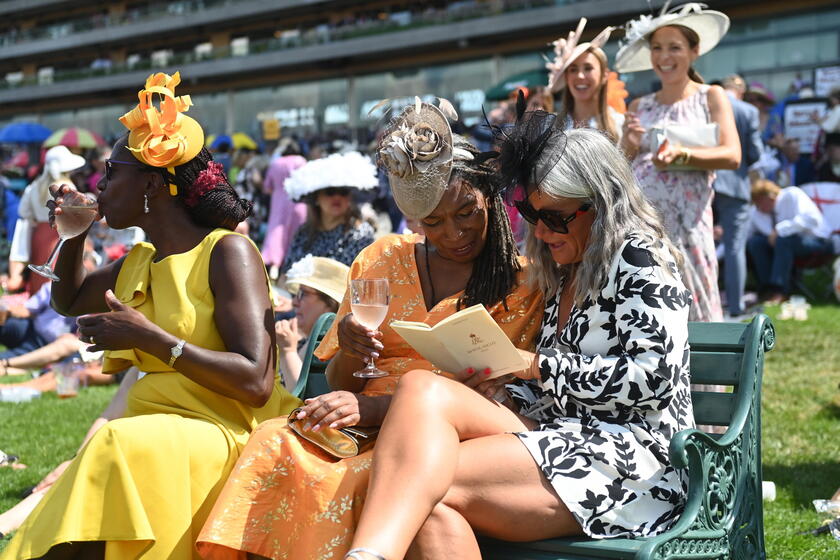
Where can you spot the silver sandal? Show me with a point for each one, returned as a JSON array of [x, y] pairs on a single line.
[[354, 554]]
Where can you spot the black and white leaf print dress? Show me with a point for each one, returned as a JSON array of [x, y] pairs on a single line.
[[614, 389]]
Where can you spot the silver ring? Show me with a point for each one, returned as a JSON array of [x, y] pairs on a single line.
[[92, 341]]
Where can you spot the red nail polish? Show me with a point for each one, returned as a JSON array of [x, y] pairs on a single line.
[[486, 371], [470, 370]]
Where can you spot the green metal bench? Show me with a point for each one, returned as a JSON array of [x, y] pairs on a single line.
[[313, 372], [723, 517]]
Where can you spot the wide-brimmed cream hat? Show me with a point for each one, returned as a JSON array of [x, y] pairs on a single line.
[[568, 50], [319, 273], [634, 55], [416, 151]]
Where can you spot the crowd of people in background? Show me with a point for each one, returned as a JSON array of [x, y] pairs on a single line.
[[315, 211], [702, 174]]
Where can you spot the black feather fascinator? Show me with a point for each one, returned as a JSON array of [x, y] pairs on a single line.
[[522, 148]]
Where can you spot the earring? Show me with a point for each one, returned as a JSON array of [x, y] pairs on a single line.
[[146, 203]]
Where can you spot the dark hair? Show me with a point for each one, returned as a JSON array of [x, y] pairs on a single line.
[[215, 205], [331, 304], [312, 226], [494, 271], [693, 40]]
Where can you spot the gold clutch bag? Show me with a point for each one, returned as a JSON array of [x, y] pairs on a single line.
[[338, 442]]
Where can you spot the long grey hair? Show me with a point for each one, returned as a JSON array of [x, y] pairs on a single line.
[[592, 169]]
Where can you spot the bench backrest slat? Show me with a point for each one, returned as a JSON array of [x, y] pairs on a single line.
[[713, 409], [313, 379], [717, 337], [715, 368], [717, 354]]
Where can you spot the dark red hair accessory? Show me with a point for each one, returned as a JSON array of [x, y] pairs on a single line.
[[207, 180]]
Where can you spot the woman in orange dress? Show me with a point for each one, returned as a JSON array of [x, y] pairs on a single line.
[[288, 499]]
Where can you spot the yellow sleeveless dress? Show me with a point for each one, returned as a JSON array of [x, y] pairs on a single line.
[[147, 482]]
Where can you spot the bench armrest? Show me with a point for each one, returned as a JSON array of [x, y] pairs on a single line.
[[723, 510]]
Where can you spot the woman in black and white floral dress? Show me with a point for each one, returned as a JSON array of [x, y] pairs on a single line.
[[604, 394]]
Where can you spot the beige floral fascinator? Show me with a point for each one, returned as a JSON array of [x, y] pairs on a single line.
[[567, 50], [417, 152]]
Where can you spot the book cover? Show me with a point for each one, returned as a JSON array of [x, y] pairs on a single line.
[[469, 338]]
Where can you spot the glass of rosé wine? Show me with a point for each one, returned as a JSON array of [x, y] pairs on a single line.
[[78, 211], [369, 299]]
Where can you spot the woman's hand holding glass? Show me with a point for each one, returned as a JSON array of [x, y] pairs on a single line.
[[358, 341], [369, 300], [71, 213]]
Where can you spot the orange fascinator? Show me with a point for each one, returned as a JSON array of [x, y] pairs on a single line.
[[163, 137]]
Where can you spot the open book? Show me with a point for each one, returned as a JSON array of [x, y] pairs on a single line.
[[469, 338]]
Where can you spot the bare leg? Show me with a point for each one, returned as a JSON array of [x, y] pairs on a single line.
[[445, 534], [60, 348], [421, 442], [46, 382], [13, 518]]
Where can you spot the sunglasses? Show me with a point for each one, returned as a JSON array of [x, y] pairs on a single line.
[[304, 292], [336, 191], [555, 221], [109, 166]]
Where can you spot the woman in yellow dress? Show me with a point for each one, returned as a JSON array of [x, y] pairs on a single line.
[[192, 311], [288, 499]]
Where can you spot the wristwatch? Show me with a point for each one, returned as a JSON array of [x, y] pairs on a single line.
[[176, 351]]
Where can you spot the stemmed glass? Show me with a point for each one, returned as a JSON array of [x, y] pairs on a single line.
[[78, 211], [369, 298]]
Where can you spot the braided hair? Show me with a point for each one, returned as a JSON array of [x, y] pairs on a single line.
[[207, 194], [494, 271]]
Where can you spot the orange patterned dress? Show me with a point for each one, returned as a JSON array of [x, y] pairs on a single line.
[[287, 499]]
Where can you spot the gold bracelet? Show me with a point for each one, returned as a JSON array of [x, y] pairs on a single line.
[[683, 158]]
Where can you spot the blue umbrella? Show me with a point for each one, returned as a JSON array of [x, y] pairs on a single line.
[[221, 139], [24, 133]]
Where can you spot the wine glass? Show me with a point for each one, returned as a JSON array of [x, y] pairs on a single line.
[[78, 211], [369, 302]]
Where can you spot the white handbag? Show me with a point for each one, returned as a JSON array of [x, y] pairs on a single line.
[[704, 135]]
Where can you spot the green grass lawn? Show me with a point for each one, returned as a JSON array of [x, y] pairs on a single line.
[[43, 433], [801, 433]]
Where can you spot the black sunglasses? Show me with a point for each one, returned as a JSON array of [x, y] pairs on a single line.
[[555, 221], [336, 191], [109, 165]]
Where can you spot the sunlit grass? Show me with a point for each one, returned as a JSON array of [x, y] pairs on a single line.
[[800, 443]]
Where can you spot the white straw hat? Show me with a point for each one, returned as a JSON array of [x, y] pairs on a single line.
[[634, 55], [319, 273], [59, 159]]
